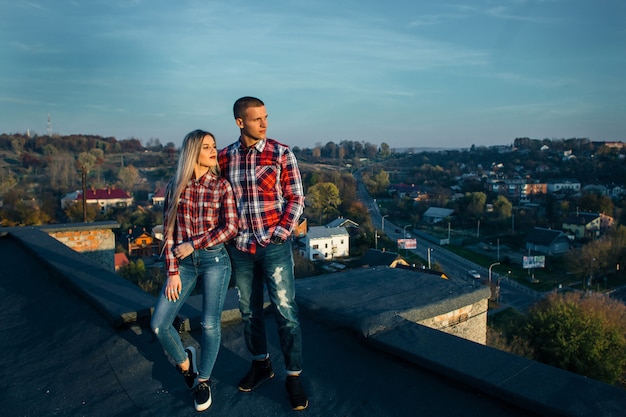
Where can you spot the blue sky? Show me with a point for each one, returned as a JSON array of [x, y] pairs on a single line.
[[408, 73]]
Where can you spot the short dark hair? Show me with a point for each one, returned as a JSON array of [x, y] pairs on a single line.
[[242, 104]]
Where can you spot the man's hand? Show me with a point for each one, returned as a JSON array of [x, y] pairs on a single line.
[[277, 240]]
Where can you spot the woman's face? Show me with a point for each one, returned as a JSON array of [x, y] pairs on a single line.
[[208, 153]]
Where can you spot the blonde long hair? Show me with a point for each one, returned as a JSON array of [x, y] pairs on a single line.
[[189, 153]]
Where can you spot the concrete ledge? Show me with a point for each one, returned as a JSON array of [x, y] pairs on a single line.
[[370, 299], [528, 384], [120, 301]]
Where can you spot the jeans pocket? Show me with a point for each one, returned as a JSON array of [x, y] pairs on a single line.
[[215, 249]]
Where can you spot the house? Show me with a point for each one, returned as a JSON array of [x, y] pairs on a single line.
[[436, 214], [142, 244], [158, 199], [300, 229], [533, 189], [104, 197], [376, 257], [563, 187], [587, 225], [411, 191], [614, 192], [547, 241], [342, 222], [322, 243], [121, 260]]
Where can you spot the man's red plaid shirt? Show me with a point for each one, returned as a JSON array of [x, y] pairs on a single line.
[[268, 189]]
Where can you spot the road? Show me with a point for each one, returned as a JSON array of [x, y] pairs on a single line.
[[455, 267]]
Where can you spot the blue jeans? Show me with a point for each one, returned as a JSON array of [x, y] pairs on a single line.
[[273, 266], [212, 267]]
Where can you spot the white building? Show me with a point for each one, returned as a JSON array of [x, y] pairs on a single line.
[[104, 198], [323, 243], [563, 186]]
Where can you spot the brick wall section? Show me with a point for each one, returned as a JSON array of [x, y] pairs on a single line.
[[469, 322], [95, 240]]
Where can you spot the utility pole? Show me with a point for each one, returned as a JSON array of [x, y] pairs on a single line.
[[84, 178]]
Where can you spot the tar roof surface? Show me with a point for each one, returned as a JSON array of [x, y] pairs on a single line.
[[61, 357]]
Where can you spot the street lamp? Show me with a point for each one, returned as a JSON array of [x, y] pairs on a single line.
[[429, 250], [491, 266], [404, 230], [383, 225]]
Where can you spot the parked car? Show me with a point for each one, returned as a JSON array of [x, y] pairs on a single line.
[[473, 273]]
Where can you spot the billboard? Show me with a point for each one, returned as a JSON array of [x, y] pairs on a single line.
[[407, 243], [534, 262]]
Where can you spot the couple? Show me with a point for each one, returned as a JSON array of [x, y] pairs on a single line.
[[257, 201]]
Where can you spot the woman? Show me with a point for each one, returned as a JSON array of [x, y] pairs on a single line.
[[199, 215]]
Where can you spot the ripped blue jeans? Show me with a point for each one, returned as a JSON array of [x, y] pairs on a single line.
[[211, 268], [271, 266]]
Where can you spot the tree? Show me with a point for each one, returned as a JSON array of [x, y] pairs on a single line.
[[74, 212], [62, 174], [7, 181], [581, 333], [382, 181], [86, 161], [134, 271], [323, 198], [476, 203], [385, 151], [370, 150], [502, 207], [598, 258], [596, 203], [358, 213], [128, 176]]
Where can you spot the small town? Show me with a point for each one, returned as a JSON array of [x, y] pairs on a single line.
[[538, 224]]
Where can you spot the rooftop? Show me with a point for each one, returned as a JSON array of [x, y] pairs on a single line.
[[76, 340]]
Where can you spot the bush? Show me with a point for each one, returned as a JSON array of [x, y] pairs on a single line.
[[582, 333]]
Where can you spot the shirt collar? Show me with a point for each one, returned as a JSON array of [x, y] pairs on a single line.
[[259, 146], [205, 179]]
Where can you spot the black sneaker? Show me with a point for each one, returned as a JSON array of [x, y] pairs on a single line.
[[202, 398], [297, 397], [191, 373], [259, 372]]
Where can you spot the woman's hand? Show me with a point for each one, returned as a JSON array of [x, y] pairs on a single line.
[[183, 250], [173, 287]]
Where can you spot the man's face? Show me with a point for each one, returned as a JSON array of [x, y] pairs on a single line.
[[253, 125]]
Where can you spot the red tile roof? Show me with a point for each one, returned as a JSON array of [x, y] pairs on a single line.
[[105, 194]]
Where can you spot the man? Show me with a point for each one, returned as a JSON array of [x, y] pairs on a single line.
[[270, 199]]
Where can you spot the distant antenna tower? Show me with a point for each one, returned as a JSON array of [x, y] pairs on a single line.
[[49, 125]]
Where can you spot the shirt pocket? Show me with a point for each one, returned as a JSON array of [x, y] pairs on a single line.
[[266, 178], [209, 210]]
